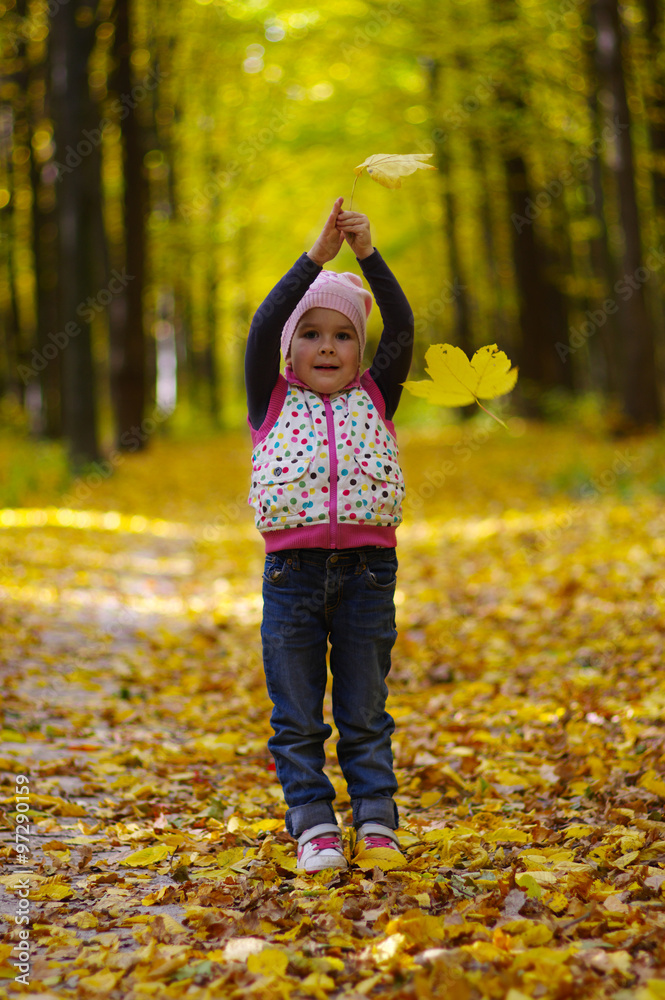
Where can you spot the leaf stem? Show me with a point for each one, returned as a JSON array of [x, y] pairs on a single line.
[[353, 189], [490, 413]]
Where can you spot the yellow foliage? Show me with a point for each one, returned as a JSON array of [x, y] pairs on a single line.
[[456, 381], [513, 689], [145, 857], [268, 962]]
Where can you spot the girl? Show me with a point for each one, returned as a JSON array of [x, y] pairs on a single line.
[[327, 491]]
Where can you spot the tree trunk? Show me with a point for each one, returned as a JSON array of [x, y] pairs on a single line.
[[14, 134], [542, 306], [44, 248], [498, 316], [128, 343], [656, 108], [543, 310], [210, 355], [605, 346], [463, 336], [641, 402], [79, 195]]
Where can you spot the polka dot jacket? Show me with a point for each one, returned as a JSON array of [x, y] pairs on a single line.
[[327, 460]]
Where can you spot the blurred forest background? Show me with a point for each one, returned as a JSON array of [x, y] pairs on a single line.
[[163, 164]]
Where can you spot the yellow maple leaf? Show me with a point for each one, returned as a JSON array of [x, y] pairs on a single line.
[[145, 857], [52, 890], [558, 903], [100, 982], [269, 962], [381, 857], [456, 381], [509, 834], [318, 985], [388, 169]]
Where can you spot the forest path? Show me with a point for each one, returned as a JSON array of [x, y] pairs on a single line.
[[530, 741]]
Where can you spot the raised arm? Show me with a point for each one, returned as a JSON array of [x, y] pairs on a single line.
[[392, 360], [391, 363], [263, 342]]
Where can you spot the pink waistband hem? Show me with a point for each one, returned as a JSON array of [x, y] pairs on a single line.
[[317, 536]]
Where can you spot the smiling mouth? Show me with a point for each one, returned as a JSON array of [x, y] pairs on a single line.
[[326, 368]]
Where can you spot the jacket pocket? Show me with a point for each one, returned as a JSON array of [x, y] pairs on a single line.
[[382, 489], [277, 486]]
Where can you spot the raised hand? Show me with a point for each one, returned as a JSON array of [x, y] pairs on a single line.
[[328, 244], [354, 226]]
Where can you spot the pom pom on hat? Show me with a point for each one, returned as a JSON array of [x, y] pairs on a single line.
[[330, 290]]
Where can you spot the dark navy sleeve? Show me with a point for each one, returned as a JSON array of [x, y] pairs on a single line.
[[391, 363], [265, 332]]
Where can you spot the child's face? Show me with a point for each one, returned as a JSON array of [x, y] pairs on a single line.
[[324, 352]]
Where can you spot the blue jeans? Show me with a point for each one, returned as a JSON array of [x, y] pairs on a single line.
[[347, 595]]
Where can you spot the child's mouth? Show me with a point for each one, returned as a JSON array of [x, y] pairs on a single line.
[[326, 368]]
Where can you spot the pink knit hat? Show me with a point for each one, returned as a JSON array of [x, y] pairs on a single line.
[[343, 292]]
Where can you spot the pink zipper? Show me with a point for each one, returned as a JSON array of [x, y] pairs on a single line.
[[332, 447]]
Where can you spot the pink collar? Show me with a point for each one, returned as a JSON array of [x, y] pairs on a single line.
[[291, 378]]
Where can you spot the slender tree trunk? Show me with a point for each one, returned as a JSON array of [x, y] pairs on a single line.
[[656, 107], [557, 264], [128, 342], [16, 359], [606, 344], [210, 355], [655, 104], [79, 192], [542, 306], [498, 319], [14, 135], [641, 402], [44, 248], [463, 335]]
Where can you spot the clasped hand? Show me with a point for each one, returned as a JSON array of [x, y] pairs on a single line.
[[350, 226]]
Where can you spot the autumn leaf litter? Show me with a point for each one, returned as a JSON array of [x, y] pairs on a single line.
[[527, 692]]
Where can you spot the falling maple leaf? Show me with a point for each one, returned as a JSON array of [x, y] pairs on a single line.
[[456, 381], [389, 168]]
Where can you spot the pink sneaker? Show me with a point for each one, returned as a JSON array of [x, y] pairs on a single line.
[[377, 835], [321, 847]]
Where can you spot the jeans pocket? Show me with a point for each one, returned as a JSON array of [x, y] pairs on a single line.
[[276, 568], [381, 574]]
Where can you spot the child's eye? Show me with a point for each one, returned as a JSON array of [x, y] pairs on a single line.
[[309, 333], [344, 336]]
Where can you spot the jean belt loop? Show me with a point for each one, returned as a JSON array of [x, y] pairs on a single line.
[[294, 560]]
